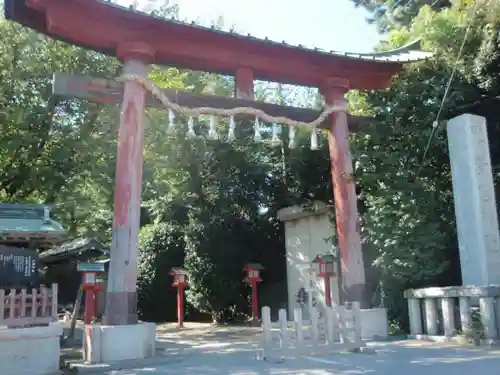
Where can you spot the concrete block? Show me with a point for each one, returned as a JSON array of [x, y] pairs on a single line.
[[30, 351], [104, 344], [374, 324]]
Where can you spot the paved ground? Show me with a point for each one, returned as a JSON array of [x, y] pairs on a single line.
[[208, 352]]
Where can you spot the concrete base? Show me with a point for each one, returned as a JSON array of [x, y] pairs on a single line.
[[117, 343], [374, 324], [30, 351]]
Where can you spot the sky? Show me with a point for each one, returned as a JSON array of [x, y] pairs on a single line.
[[326, 24]]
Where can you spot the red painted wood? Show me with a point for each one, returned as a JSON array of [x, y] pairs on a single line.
[[122, 280], [255, 301], [102, 27], [328, 291], [89, 313], [346, 213], [244, 84], [180, 306]]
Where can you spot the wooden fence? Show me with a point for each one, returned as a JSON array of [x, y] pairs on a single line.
[[338, 329], [23, 308]]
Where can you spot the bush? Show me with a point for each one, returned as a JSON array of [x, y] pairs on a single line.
[[161, 248]]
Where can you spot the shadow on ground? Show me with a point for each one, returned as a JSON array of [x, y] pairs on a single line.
[[208, 350]]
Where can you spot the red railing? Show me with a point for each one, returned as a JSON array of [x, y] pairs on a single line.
[[25, 308]]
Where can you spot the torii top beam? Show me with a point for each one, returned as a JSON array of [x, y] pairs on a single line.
[[110, 29]]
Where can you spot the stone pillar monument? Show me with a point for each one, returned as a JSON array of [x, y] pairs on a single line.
[[307, 230], [306, 233], [474, 196]]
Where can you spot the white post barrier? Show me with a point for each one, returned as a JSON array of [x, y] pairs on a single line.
[[314, 326], [283, 329], [331, 323], [341, 315], [297, 317], [266, 326], [343, 332], [356, 318]]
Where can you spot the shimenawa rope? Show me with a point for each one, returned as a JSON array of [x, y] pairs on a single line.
[[158, 94]]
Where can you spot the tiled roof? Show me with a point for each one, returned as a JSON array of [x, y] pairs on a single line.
[[178, 271], [27, 218], [74, 248], [409, 53], [20, 222]]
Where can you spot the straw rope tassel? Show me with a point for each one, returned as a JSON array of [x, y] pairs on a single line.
[[212, 131], [171, 122], [256, 128], [232, 125], [291, 137], [190, 132], [275, 140], [314, 139]]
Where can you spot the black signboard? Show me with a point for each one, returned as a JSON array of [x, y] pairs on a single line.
[[18, 267]]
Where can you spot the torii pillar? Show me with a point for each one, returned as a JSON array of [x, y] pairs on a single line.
[[344, 190], [121, 300]]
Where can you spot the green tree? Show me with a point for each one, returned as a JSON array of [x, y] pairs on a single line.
[[48, 144], [410, 216], [161, 248], [394, 14]]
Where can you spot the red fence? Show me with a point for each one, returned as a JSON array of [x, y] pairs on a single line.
[[24, 308]]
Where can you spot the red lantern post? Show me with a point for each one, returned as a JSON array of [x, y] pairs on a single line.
[[253, 278], [91, 286], [324, 265], [180, 282]]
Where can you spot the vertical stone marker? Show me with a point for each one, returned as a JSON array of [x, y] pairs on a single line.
[[474, 196]]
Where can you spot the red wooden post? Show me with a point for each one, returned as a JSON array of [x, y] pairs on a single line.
[[253, 278], [328, 291], [180, 306], [180, 282], [255, 301], [244, 84], [121, 301], [346, 213], [89, 285], [89, 306]]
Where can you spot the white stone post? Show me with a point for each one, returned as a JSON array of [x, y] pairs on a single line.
[[266, 327], [314, 326], [448, 316], [474, 196], [487, 309], [331, 325], [283, 328], [341, 317], [465, 316], [497, 315], [415, 313], [356, 317], [431, 316], [299, 331]]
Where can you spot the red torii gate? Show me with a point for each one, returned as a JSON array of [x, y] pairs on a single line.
[[139, 40]]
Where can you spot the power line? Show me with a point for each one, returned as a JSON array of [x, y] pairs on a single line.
[[435, 124]]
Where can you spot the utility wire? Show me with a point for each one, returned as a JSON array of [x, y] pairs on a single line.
[[435, 124]]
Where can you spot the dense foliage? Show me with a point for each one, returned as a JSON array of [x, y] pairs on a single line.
[[393, 14], [409, 221]]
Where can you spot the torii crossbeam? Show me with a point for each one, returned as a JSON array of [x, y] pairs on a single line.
[[139, 40]]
